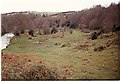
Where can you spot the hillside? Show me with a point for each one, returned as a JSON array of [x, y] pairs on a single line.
[[72, 56], [66, 45], [94, 18]]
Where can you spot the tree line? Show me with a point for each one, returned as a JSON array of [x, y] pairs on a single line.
[[94, 18]]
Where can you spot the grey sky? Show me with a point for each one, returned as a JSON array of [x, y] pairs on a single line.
[[50, 5]]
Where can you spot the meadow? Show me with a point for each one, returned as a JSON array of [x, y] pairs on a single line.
[[72, 56]]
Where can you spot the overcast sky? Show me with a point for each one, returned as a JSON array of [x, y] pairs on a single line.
[[50, 5]]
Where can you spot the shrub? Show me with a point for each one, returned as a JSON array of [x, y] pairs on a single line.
[[66, 23], [115, 28], [31, 32], [39, 32], [100, 48], [22, 31], [101, 31], [17, 33], [54, 30], [13, 69], [94, 35], [40, 72], [32, 72], [73, 25]]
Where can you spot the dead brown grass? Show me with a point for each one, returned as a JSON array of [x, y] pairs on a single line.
[[14, 68]]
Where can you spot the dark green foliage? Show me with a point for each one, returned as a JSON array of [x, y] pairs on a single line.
[[57, 23], [94, 35], [70, 24], [17, 33], [22, 31], [43, 15], [67, 23], [31, 32], [100, 48], [116, 28], [100, 32], [54, 30], [73, 25]]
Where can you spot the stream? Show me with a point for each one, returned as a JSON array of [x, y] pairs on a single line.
[[5, 40]]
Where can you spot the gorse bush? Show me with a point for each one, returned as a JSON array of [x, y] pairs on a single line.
[[17, 33], [54, 30], [32, 72], [13, 69], [116, 28], [40, 72], [31, 32], [22, 31], [94, 35]]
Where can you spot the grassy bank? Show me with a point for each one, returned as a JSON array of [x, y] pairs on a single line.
[[72, 54]]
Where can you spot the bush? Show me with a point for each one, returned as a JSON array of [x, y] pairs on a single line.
[[31, 32], [13, 69], [73, 25], [100, 48], [32, 72], [115, 28], [66, 23], [94, 35], [39, 32], [17, 33], [54, 30], [40, 72], [22, 31], [100, 32]]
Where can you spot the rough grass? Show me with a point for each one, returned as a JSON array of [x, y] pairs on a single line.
[[73, 54], [22, 67]]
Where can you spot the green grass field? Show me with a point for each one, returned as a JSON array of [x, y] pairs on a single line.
[[73, 54]]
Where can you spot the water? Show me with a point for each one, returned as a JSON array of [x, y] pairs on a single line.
[[5, 40]]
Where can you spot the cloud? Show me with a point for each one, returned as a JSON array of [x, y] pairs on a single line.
[[50, 5]]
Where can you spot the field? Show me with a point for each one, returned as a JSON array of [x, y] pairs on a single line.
[[72, 56]]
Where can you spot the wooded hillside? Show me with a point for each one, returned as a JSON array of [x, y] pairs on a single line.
[[94, 18]]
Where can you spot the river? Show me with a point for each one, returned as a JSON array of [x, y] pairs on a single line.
[[5, 40]]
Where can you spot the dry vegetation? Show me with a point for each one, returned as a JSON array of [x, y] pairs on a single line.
[[67, 45], [71, 57], [21, 67], [94, 18]]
